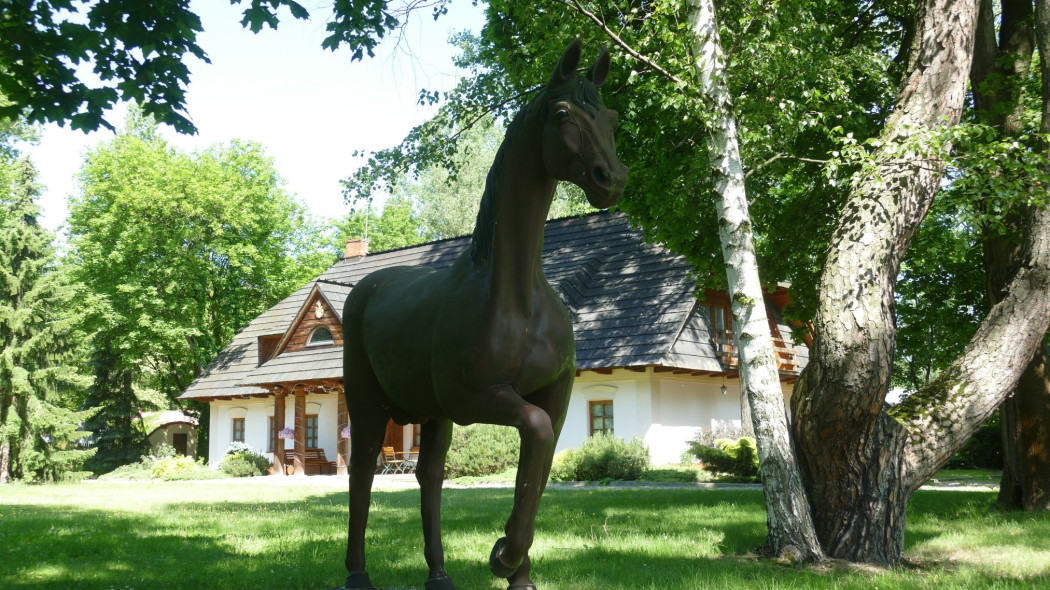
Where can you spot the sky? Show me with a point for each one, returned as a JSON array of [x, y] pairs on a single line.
[[309, 107]]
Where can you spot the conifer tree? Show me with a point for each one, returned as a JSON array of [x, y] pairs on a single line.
[[118, 437], [39, 386]]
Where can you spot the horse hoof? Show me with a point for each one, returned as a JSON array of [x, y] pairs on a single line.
[[499, 569], [522, 587], [359, 581], [439, 584]]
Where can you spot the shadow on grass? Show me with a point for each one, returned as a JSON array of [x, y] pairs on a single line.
[[585, 540]]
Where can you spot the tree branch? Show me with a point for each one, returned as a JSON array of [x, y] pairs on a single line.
[[575, 5]]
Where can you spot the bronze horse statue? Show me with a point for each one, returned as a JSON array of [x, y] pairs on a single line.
[[487, 339]]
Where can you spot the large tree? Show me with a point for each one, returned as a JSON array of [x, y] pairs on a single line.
[[814, 86], [181, 250], [40, 387]]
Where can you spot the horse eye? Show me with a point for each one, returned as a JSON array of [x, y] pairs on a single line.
[[561, 114]]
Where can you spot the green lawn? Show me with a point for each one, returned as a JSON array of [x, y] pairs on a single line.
[[253, 535]]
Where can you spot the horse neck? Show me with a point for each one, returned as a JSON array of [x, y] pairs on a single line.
[[518, 195]]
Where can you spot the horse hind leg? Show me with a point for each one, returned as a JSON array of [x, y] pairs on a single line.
[[366, 439], [434, 441]]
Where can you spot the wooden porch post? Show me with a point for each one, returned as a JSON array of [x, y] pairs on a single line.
[[344, 444], [278, 442], [300, 431]]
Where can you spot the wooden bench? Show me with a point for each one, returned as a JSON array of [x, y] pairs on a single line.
[[314, 462]]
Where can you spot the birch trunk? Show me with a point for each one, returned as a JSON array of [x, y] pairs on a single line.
[[791, 532]]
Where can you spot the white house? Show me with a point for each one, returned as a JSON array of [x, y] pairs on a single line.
[[654, 360]]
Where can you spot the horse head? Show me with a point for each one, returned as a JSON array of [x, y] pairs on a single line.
[[578, 142]]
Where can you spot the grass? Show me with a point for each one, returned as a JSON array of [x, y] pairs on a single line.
[[252, 534]]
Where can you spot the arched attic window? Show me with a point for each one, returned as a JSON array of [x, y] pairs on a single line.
[[320, 337]]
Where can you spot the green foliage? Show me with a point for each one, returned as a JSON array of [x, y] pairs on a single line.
[[482, 449], [433, 202], [181, 250], [602, 457], [172, 465], [673, 475], [793, 106], [984, 450], [739, 458], [245, 464], [137, 52], [40, 384]]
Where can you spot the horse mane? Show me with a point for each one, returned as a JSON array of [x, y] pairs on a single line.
[[485, 225], [578, 89]]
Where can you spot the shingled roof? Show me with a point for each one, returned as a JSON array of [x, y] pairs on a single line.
[[632, 305]]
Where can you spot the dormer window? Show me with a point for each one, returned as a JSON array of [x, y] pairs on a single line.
[[320, 337]]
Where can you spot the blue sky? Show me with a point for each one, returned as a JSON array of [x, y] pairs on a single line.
[[311, 108]]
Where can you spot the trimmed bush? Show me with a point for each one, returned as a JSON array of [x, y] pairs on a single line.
[[172, 465], [245, 464], [482, 449], [738, 457], [602, 457]]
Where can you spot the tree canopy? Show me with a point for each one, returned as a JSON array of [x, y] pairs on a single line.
[[137, 52], [183, 249]]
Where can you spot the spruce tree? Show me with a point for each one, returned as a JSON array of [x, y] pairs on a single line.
[[118, 437], [39, 386]]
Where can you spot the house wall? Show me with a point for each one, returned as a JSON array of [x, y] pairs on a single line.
[[256, 414], [662, 409], [165, 435]]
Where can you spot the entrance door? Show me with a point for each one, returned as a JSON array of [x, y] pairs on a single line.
[[395, 437], [179, 440]]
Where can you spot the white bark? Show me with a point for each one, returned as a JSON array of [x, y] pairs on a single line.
[[791, 531]]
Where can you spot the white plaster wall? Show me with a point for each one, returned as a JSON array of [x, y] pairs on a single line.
[[687, 404], [256, 414], [632, 406]]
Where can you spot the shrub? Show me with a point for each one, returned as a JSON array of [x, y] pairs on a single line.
[[482, 449], [245, 464], [984, 450], [738, 457], [602, 457], [172, 465]]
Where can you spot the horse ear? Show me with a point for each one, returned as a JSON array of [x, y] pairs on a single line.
[[566, 65], [600, 70]]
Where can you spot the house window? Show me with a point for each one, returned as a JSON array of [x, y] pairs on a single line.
[[271, 434], [601, 415], [311, 431], [321, 336], [417, 434], [238, 429]]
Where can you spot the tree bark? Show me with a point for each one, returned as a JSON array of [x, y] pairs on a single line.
[[855, 458], [997, 77], [5, 460], [790, 528]]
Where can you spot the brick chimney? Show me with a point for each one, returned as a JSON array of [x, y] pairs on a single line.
[[356, 248]]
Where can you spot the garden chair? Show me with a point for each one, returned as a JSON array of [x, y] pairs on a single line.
[[391, 464], [409, 460]]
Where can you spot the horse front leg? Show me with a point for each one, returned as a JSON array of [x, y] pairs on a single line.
[[500, 404], [434, 441], [554, 400]]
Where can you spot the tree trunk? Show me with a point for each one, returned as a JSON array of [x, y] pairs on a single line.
[[791, 532], [997, 77], [855, 458], [5, 460]]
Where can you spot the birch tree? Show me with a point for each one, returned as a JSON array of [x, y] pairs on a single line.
[[787, 509]]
